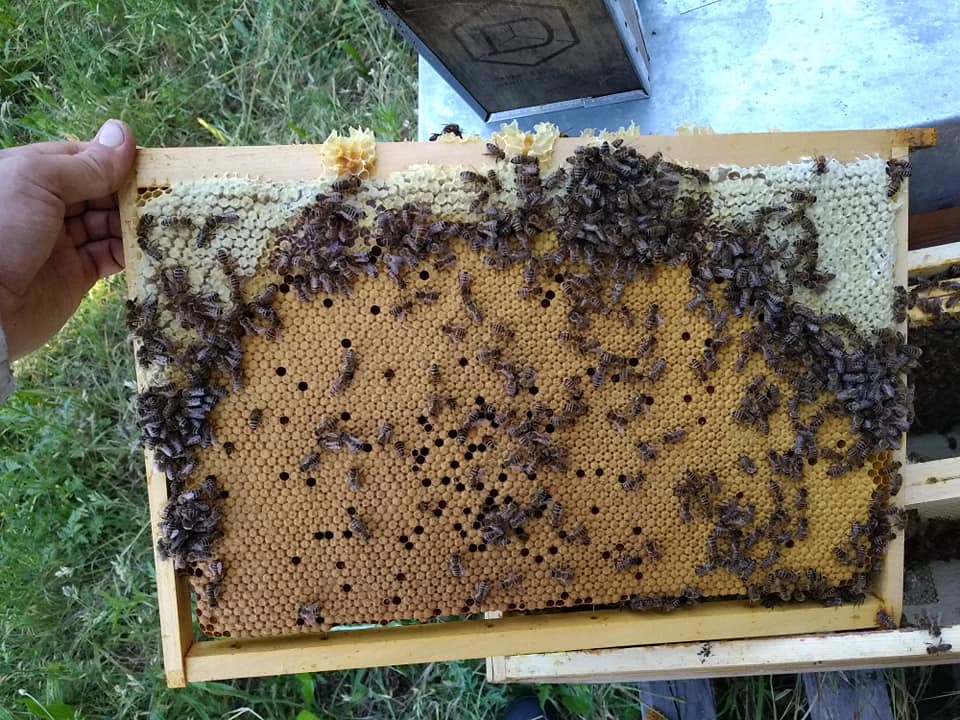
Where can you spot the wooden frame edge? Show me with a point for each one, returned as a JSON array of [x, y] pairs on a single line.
[[933, 259], [889, 586], [173, 592], [434, 642], [841, 651]]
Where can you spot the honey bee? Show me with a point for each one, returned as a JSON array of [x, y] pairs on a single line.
[[475, 477], [359, 529], [495, 151], [433, 405], [939, 648], [841, 555], [525, 293], [563, 575], [674, 435], [835, 471], [205, 234], [652, 319], [488, 355], [632, 482], [513, 581], [578, 535], [930, 625], [625, 562], [897, 170], [747, 465], [646, 450], [310, 462], [501, 330], [656, 369], [346, 184], [540, 498], [384, 433], [803, 197], [348, 367], [211, 592], [473, 179], [896, 483], [481, 592], [256, 415], [652, 550], [176, 221], [399, 448], [445, 262], [427, 296], [820, 165], [705, 569], [770, 559], [776, 492], [454, 333], [449, 128], [884, 621], [353, 478], [400, 310], [617, 419], [696, 173], [149, 246], [556, 514], [473, 310], [267, 295], [455, 564], [310, 614]]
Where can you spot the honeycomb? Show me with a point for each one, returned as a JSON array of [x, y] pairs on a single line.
[[290, 537]]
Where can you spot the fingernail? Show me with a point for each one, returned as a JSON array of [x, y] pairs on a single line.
[[111, 134]]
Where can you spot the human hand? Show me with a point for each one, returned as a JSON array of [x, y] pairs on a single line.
[[59, 229]]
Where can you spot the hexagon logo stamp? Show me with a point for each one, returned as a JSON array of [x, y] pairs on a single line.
[[531, 35]]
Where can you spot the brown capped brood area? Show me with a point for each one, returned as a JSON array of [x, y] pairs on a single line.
[[547, 389]]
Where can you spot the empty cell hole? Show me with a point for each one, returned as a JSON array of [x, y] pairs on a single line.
[[345, 343], [281, 371], [327, 303], [302, 386]]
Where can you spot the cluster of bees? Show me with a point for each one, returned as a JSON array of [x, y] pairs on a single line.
[[935, 296], [189, 526], [617, 215]]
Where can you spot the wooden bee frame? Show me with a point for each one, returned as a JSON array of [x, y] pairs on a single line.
[[187, 659]]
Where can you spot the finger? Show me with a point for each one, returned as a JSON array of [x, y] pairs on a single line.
[[106, 255], [93, 225], [106, 203], [96, 172], [46, 148]]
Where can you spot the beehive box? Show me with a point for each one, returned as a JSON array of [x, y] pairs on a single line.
[[510, 59], [288, 542]]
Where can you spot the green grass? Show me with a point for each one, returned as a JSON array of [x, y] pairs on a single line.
[[78, 622], [202, 73]]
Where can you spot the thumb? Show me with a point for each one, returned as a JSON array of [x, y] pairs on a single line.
[[95, 172]]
